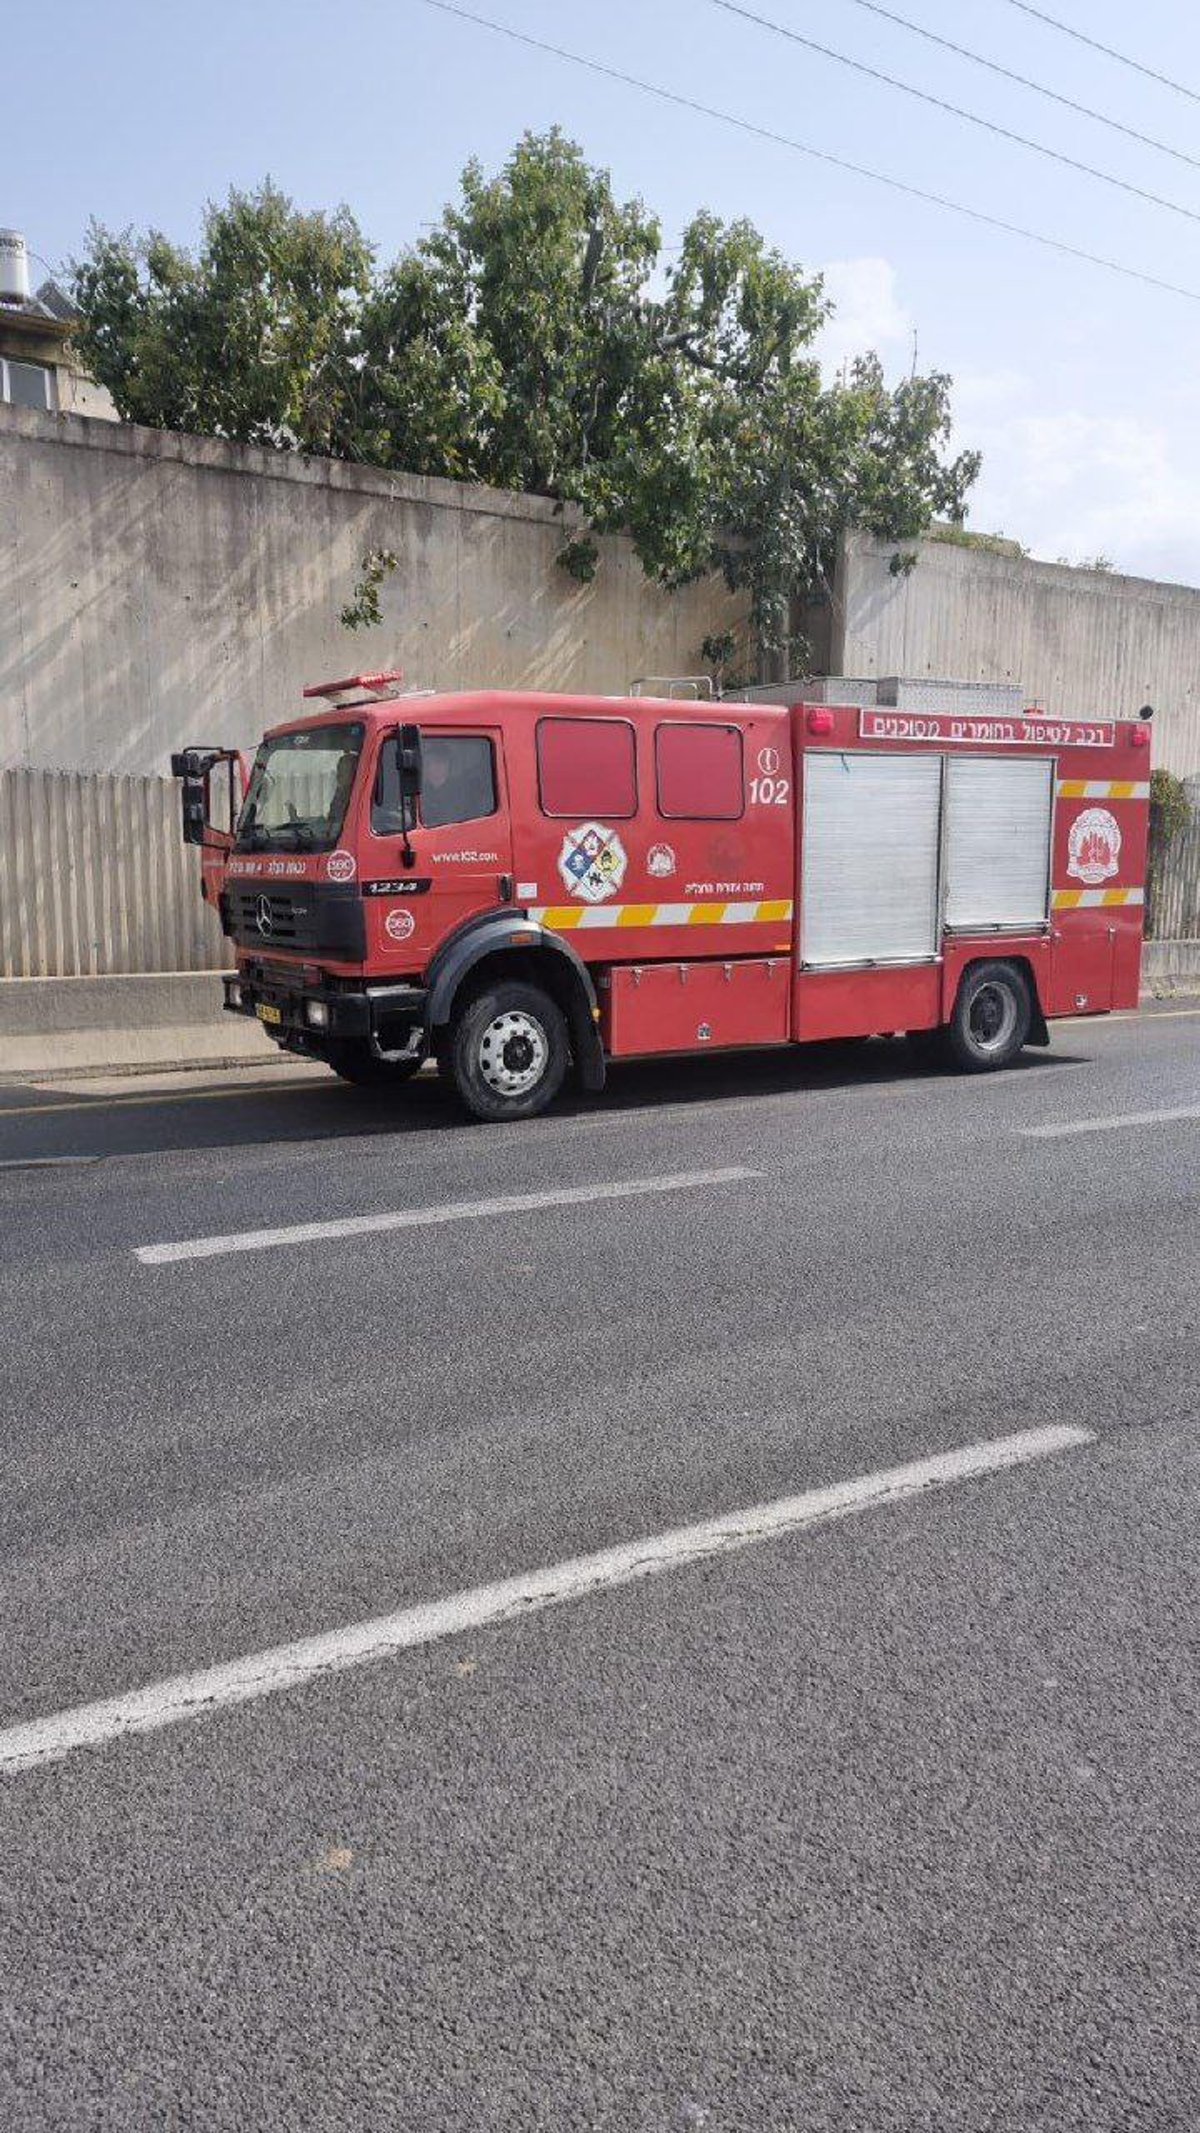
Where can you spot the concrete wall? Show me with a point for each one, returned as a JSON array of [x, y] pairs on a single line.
[[157, 589], [1080, 642]]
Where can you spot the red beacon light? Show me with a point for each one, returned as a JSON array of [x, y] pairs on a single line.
[[1139, 736], [376, 685], [819, 718]]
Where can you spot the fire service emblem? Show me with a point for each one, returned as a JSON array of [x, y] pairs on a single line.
[[592, 862], [1094, 846]]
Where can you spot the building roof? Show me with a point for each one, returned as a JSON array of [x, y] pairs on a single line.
[[49, 312]]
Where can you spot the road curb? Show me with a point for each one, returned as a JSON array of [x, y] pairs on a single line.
[[130, 1023]]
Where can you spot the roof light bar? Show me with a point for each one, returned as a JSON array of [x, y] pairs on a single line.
[[382, 684]]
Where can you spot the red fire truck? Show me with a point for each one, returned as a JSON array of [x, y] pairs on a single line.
[[524, 886]]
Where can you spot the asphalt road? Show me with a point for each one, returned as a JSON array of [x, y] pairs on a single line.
[[889, 1823]]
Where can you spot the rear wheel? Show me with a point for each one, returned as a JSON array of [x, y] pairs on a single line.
[[991, 1018], [356, 1062], [506, 1052]]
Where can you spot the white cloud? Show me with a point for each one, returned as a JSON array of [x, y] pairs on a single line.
[[1064, 479], [1073, 484], [868, 313]]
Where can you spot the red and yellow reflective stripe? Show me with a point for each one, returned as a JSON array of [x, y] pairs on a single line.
[[1101, 789], [1095, 899], [579, 918]]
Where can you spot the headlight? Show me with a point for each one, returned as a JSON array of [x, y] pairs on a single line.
[[316, 1014]]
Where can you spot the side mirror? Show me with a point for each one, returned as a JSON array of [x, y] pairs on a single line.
[[408, 777], [192, 767], [195, 810], [408, 762]]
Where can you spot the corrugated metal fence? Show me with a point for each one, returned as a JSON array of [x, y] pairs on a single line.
[[95, 879], [1173, 900]]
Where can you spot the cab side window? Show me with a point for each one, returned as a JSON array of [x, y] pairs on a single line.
[[699, 772], [587, 766], [458, 784]]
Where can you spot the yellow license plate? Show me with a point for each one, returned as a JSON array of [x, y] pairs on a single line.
[[267, 1013]]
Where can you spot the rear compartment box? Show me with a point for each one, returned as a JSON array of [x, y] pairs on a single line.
[[694, 1007]]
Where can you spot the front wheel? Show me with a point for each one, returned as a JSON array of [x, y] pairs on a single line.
[[506, 1052], [991, 1018]]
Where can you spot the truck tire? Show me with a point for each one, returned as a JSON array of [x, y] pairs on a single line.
[[991, 1018], [506, 1052], [356, 1062]]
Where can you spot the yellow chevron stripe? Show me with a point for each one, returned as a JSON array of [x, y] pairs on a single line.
[[1094, 899], [573, 918], [1102, 789]]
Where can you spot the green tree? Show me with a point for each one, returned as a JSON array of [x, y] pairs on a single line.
[[253, 337], [537, 339], [502, 348]]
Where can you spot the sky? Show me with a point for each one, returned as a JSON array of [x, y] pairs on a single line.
[[1080, 386]]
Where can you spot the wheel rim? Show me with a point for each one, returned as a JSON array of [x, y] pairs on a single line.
[[992, 1018], [514, 1053]]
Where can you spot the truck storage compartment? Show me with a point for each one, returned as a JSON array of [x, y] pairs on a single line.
[[689, 1007], [999, 812], [865, 1003], [869, 858]]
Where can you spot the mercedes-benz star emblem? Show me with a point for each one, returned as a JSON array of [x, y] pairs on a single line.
[[262, 915]]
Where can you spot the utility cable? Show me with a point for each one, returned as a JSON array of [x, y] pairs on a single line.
[[819, 155], [973, 118], [1024, 81], [1122, 58]]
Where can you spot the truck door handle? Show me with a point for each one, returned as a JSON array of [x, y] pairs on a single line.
[[506, 888]]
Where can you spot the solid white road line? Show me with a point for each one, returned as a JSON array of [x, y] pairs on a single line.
[[187, 1696], [516, 1203], [1109, 1125]]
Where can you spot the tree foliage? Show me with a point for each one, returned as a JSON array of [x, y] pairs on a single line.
[[1170, 808], [539, 338], [253, 338]]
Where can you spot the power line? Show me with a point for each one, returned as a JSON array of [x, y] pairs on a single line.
[[1102, 118], [819, 155], [1121, 57], [1005, 133]]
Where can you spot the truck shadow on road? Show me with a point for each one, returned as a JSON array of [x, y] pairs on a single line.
[[39, 1126]]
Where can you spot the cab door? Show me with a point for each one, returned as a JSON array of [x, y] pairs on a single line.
[[454, 862], [214, 782]]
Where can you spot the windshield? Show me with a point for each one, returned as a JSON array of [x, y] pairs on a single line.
[[299, 789]]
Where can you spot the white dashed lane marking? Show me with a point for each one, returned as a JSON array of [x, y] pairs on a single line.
[[1071, 1126], [517, 1203], [290, 1666]]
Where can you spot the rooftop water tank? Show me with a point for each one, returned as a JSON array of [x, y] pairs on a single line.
[[14, 268]]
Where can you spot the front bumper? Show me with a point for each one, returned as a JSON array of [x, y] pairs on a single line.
[[389, 1019]]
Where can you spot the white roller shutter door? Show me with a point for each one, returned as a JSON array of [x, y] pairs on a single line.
[[998, 820], [869, 876]]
